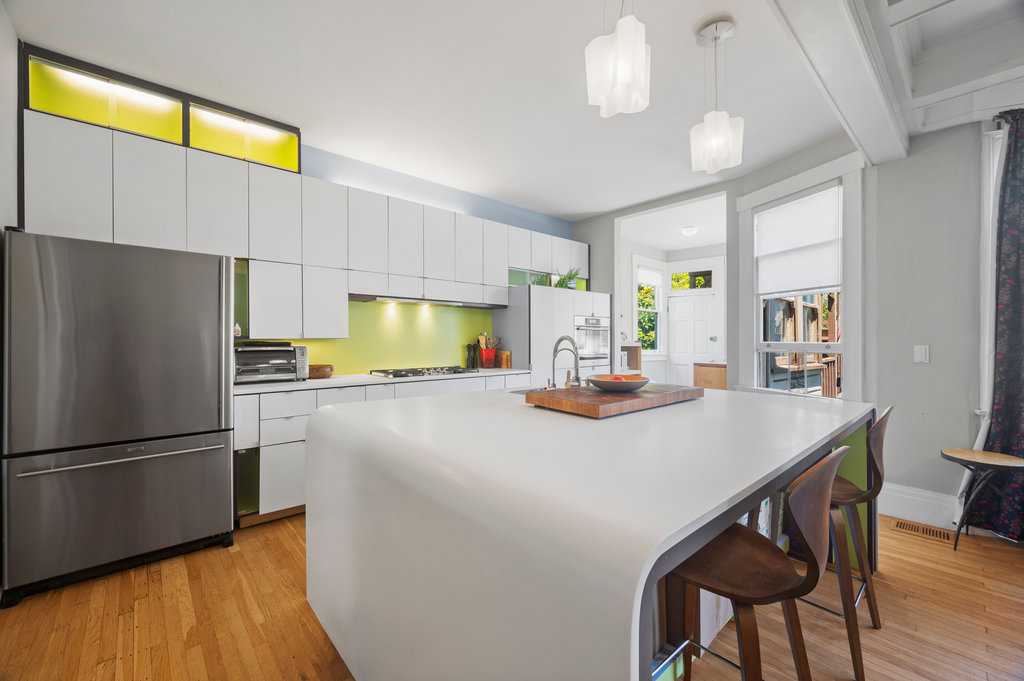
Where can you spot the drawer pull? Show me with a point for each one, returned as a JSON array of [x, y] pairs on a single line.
[[97, 464]]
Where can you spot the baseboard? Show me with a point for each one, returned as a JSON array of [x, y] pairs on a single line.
[[918, 505]]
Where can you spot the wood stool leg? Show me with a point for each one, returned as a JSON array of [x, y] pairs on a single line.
[[682, 606], [796, 639], [853, 518], [749, 644], [838, 531]]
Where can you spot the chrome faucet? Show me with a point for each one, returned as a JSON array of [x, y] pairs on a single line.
[[575, 360]]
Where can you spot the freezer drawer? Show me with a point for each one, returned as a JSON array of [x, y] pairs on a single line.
[[69, 511]]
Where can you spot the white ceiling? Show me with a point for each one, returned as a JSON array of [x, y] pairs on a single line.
[[661, 228], [484, 96]]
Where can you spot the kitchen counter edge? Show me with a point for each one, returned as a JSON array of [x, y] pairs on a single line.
[[351, 380]]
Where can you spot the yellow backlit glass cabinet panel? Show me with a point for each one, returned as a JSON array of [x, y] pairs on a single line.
[[235, 136], [93, 99]]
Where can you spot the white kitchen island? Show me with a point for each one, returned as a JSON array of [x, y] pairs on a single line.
[[475, 537]]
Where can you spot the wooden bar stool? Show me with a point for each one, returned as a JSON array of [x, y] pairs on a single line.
[[749, 569], [848, 496], [984, 465]]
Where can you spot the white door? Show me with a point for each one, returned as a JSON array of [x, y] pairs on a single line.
[[693, 334]]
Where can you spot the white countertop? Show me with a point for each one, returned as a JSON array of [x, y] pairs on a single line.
[[345, 380], [475, 532]]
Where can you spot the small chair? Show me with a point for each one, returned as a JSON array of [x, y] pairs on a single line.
[[984, 465], [848, 496], [749, 569]]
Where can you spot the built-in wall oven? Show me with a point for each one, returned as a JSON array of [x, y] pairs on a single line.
[[593, 337]]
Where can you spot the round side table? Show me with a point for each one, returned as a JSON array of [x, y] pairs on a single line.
[[984, 465]]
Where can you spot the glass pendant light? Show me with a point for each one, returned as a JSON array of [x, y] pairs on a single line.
[[619, 68], [717, 143]]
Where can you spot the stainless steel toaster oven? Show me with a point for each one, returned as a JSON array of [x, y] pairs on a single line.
[[257, 363]]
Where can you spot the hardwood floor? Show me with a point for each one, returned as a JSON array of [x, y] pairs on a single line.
[[237, 613], [240, 613], [945, 617]]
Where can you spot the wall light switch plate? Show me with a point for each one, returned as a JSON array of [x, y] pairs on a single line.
[[920, 354]]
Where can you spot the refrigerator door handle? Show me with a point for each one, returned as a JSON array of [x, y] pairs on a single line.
[[48, 471], [227, 356]]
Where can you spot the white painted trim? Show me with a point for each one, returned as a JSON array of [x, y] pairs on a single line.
[[826, 172], [918, 505], [906, 10]]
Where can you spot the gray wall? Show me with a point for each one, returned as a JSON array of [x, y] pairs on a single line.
[[8, 121], [922, 221], [353, 173]]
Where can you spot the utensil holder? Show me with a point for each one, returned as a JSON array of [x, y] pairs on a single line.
[[487, 357]]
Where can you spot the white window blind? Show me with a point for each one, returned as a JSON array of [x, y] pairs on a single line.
[[797, 244], [648, 277]]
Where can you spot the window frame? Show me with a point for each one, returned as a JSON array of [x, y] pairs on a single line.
[[641, 262], [847, 172]]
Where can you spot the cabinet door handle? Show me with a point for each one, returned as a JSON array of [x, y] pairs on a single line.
[[48, 471]]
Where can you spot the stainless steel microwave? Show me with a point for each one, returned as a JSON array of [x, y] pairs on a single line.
[[257, 363]]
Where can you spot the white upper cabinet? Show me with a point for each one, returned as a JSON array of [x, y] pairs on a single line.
[[405, 237], [324, 302], [275, 291], [580, 257], [149, 192], [68, 178], [438, 243], [217, 198], [324, 223], [367, 231], [520, 249], [602, 304], [540, 252], [495, 253], [469, 249], [275, 214], [561, 255]]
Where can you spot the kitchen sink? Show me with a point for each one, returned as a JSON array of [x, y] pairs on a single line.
[[526, 390]]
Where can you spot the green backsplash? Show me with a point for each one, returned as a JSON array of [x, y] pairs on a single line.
[[396, 335]]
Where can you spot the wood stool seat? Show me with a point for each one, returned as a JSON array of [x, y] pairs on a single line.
[[845, 492], [743, 565]]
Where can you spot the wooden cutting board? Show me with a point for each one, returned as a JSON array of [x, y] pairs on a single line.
[[596, 403]]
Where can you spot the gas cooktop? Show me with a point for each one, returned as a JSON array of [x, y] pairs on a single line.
[[422, 371]]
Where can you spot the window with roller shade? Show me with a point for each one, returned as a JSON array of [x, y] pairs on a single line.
[[798, 274]]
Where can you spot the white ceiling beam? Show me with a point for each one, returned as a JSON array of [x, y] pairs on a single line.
[[905, 10], [840, 51]]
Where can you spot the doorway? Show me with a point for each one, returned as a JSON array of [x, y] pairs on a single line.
[[694, 333]]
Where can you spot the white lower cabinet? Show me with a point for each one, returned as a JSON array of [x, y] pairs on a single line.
[[279, 431], [441, 387], [328, 396], [517, 381], [247, 421], [495, 382], [282, 476], [380, 392]]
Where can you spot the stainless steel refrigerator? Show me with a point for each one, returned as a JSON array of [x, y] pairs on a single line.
[[117, 406]]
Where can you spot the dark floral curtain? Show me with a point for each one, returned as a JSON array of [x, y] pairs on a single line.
[[1002, 510]]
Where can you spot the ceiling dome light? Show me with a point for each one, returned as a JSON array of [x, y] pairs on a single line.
[[689, 230], [619, 69], [717, 143]]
